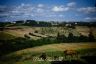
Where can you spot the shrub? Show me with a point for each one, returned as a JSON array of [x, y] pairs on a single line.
[[26, 36]]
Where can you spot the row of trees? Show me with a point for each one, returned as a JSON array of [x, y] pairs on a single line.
[[72, 38], [34, 23], [46, 24]]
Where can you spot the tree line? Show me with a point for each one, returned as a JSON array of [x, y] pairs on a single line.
[[35, 23], [72, 38]]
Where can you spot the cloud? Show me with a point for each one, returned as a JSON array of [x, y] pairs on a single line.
[[2, 8], [29, 11], [23, 9], [90, 18], [88, 10], [5, 11], [40, 10], [40, 5], [60, 8], [71, 4], [56, 8], [61, 15]]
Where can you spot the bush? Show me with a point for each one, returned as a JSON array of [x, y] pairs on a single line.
[[35, 31], [26, 36]]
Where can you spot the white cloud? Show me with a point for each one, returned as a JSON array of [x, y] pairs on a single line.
[[40, 10], [88, 10], [22, 4], [61, 15], [71, 4], [23, 9], [28, 11], [90, 18], [40, 5], [56, 9], [87, 18], [60, 8]]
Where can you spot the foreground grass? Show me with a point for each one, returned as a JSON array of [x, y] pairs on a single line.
[[27, 62], [33, 62], [57, 47], [26, 56], [6, 36]]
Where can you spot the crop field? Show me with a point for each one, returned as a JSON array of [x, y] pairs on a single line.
[[50, 31]]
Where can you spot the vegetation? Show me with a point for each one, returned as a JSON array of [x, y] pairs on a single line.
[[31, 55], [11, 43], [57, 36], [5, 36]]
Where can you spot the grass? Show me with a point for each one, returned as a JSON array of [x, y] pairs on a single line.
[[54, 48], [6, 36], [33, 62], [58, 47], [25, 56], [51, 31]]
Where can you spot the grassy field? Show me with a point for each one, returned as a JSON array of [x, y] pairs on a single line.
[[58, 47], [50, 31], [26, 56], [6, 36]]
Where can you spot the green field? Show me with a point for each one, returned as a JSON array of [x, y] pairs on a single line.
[[30, 55], [27, 51]]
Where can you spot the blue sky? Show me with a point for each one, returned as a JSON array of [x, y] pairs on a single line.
[[48, 10]]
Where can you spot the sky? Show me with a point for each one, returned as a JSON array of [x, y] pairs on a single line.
[[48, 10]]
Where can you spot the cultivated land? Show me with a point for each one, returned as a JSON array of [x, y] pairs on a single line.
[[49, 31], [31, 55]]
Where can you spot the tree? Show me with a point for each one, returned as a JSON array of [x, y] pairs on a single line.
[[70, 37], [44, 24], [83, 38], [31, 23], [91, 37], [43, 56], [58, 37], [26, 36], [2, 25], [19, 22]]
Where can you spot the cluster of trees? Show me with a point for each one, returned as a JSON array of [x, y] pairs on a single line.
[[44, 23], [3, 25], [47, 24], [34, 23], [72, 38]]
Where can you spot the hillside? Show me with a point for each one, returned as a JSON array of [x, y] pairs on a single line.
[[49, 31], [6, 36], [56, 47], [30, 54]]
